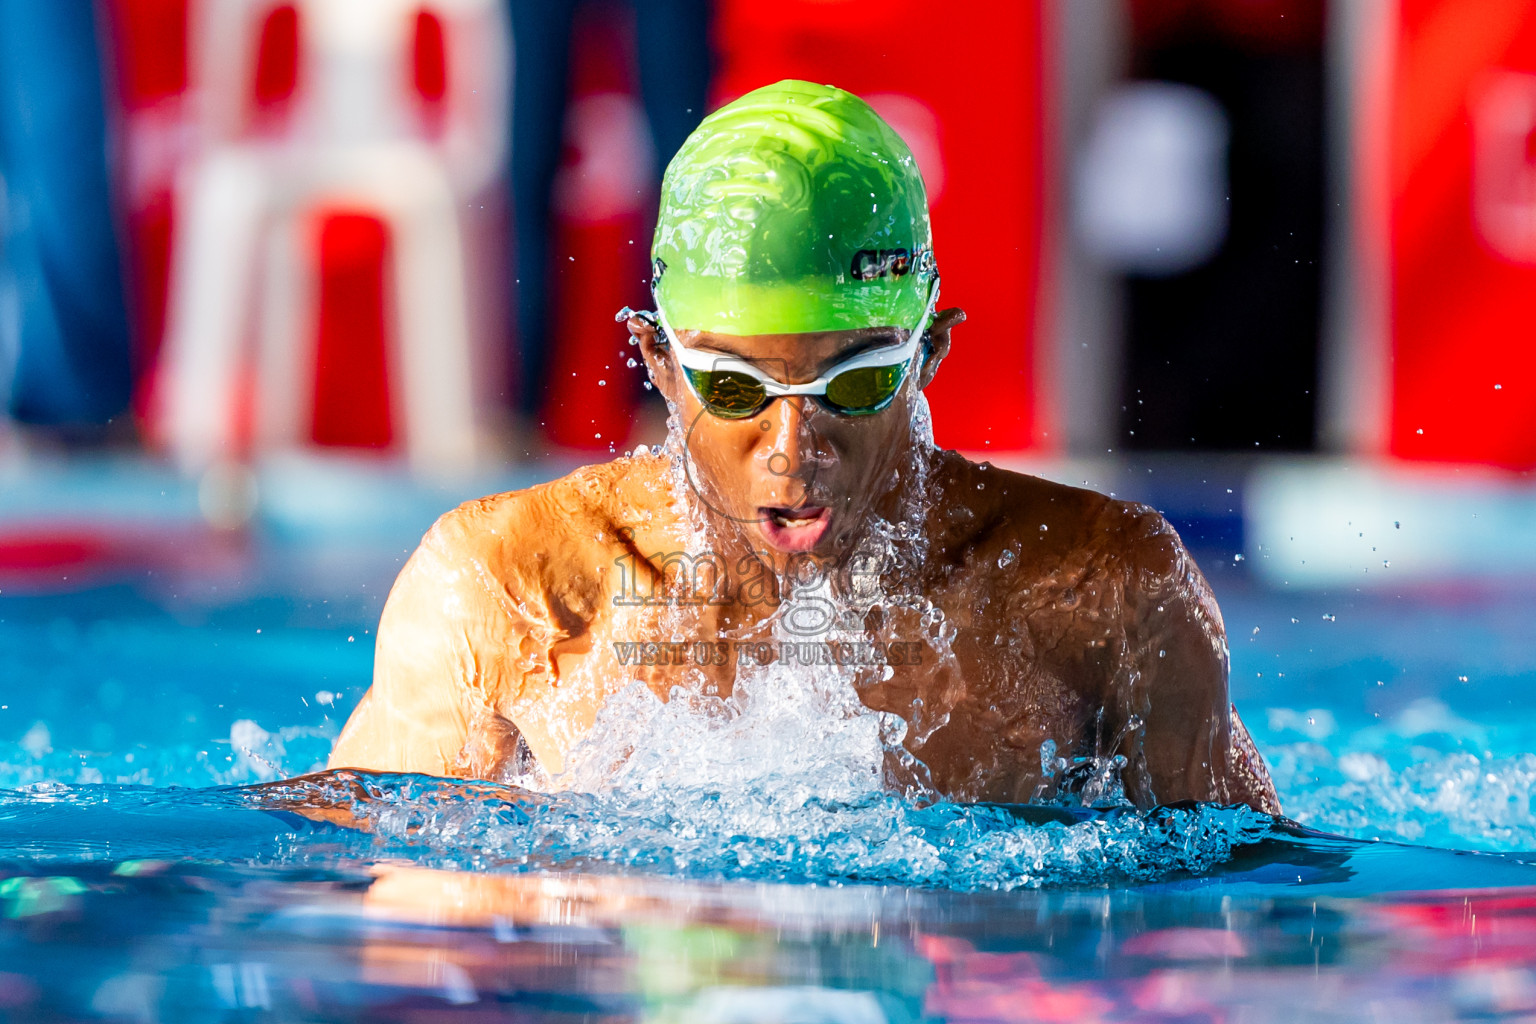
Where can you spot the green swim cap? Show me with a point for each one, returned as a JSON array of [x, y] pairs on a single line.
[[793, 209]]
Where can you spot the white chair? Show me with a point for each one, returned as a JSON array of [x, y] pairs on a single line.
[[395, 109]]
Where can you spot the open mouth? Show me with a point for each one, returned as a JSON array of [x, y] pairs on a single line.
[[794, 529]]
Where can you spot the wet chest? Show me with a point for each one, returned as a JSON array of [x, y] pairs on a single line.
[[1010, 671]]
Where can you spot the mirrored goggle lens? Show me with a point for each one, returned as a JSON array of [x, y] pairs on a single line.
[[728, 394], [864, 391]]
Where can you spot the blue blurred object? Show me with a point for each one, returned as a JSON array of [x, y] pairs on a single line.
[[674, 70], [64, 341]]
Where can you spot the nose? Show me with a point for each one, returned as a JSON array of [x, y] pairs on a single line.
[[789, 441]]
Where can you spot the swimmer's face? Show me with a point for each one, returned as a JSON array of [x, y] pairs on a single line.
[[796, 477]]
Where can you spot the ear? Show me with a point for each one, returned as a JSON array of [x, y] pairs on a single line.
[[659, 365], [937, 345]]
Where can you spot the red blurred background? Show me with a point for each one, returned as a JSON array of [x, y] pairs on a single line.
[[1355, 271]]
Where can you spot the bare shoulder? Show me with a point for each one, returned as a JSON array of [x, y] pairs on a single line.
[[548, 532], [478, 613], [1113, 600], [1089, 526], [1111, 562], [545, 514], [525, 563]]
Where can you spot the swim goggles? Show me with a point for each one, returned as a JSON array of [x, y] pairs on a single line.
[[863, 385]]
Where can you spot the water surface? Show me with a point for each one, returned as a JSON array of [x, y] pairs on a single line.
[[147, 873]]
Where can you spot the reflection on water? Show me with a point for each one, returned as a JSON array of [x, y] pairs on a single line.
[[146, 940], [348, 896]]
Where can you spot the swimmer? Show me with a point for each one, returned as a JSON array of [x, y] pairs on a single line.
[[1024, 631]]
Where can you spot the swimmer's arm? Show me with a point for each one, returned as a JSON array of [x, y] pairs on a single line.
[[435, 676], [1195, 747]]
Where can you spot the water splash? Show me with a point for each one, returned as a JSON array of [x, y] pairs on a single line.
[[1424, 775], [1414, 794], [783, 833], [756, 740], [768, 835], [791, 728]]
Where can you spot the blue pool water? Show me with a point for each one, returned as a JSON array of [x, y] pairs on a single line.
[[152, 868]]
